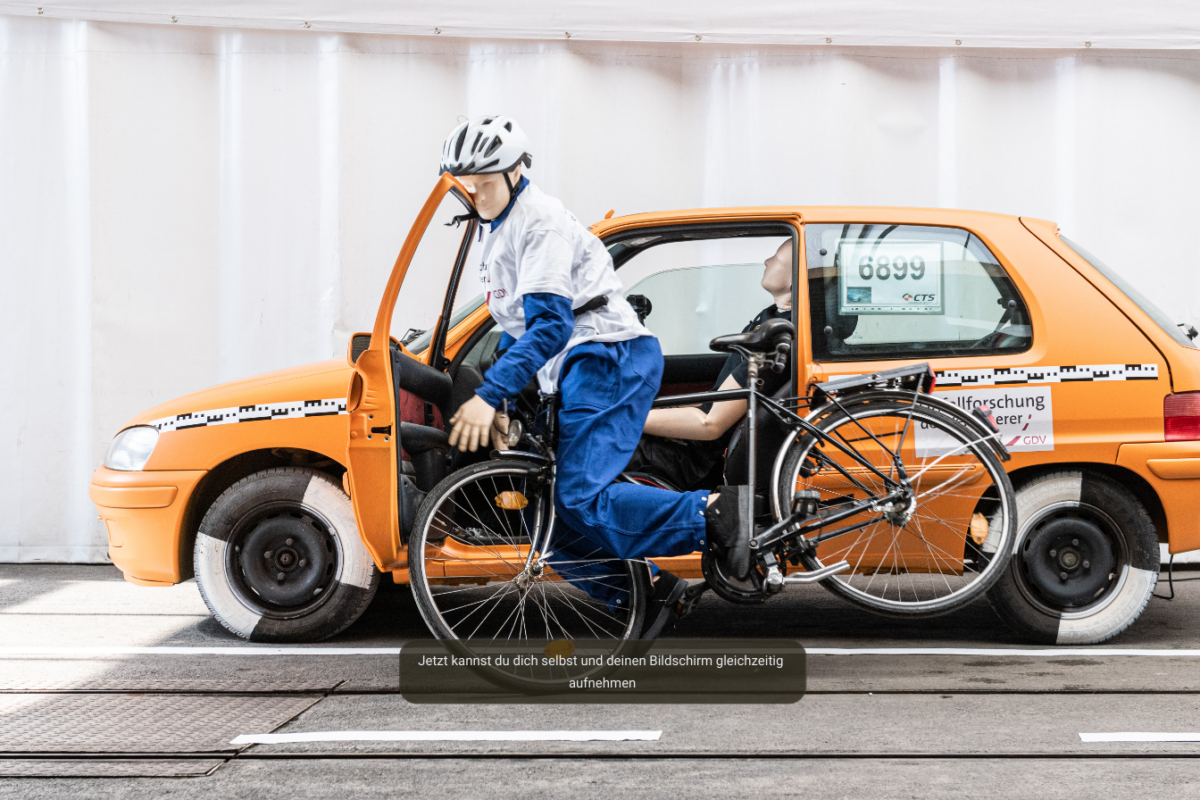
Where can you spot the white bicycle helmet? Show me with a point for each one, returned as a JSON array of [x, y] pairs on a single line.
[[486, 145]]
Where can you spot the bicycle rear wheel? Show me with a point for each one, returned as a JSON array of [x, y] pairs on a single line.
[[933, 550], [468, 564]]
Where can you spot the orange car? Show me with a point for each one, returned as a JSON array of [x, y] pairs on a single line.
[[287, 495]]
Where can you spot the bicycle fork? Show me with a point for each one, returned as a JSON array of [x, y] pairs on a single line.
[[539, 544]]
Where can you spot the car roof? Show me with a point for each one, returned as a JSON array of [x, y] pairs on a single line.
[[814, 214]]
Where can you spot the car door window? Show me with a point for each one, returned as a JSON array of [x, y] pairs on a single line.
[[428, 280], [907, 291]]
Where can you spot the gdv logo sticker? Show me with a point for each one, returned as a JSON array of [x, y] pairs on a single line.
[[919, 298]]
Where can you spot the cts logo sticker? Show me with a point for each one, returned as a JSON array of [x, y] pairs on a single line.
[[919, 298]]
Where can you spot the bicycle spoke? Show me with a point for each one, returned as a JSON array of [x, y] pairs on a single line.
[[493, 591], [913, 552]]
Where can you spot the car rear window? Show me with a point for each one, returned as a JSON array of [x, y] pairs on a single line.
[[882, 291], [1160, 317]]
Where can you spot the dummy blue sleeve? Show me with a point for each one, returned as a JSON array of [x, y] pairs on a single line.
[[548, 325]]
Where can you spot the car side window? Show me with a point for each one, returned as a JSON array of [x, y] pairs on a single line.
[[909, 291], [482, 351], [692, 305], [699, 290], [695, 290]]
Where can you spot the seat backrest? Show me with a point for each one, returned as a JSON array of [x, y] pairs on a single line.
[[771, 436], [429, 384]]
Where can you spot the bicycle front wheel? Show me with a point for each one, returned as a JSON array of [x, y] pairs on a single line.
[[938, 511], [472, 576]]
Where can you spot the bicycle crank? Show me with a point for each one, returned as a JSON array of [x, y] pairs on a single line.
[[776, 580]]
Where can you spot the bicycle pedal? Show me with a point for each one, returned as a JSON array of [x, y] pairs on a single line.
[[691, 598], [805, 502]]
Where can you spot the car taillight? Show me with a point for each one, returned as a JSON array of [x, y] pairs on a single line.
[[1181, 417]]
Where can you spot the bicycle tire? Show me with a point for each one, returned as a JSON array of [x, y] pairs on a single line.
[[994, 501], [555, 594]]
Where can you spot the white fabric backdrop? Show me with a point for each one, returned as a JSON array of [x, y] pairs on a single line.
[[181, 205], [905, 23]]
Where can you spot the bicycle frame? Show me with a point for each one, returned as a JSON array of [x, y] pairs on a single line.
[[895, 484], [799, 424]]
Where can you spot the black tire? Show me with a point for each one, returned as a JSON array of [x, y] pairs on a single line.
[[286, 521], [997, 504], [1111, 527]]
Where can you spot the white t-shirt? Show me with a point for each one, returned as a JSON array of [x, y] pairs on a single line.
[[542, 247]]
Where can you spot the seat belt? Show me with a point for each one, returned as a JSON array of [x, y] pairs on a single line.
[[591, 305]]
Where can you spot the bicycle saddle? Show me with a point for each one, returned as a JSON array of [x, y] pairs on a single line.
[[762, 339]]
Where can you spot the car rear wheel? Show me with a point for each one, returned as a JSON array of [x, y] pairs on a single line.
[[1085, 563], [279, 559]]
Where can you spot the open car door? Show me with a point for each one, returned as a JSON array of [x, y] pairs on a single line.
[[381, 482]]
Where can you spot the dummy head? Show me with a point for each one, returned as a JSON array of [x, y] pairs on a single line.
[[490, 192], [777, 277]]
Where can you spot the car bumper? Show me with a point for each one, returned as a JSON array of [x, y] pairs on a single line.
[[1173, 470], [143, 512]]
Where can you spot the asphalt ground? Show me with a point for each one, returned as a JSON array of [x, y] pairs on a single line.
[[108, 689]]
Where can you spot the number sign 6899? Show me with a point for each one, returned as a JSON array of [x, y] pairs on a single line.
[[897, 268]]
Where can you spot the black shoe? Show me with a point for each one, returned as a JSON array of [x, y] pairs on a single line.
[[725, 526], [668, 591]]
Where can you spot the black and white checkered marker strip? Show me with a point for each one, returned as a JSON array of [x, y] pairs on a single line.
[[1019, 376], [297, 409]]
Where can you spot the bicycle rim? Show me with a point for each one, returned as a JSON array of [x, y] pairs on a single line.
[[925, 557], [468, 555]]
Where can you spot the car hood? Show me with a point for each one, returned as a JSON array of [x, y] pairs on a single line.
[[322, 380]]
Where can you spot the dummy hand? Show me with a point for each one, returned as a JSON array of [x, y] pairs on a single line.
[[471, 424]]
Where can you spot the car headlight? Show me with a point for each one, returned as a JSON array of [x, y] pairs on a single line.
[[131, 448]]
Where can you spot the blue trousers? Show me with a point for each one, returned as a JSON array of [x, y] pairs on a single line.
[[607, 389]]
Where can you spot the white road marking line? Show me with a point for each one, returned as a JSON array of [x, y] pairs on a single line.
[[170, 650], [448, 736], [16, 651], [1139, 736]]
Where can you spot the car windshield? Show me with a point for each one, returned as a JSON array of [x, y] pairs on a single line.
[[421, 343], [1155, 313]]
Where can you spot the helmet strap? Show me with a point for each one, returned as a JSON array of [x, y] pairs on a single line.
[[511, 189]]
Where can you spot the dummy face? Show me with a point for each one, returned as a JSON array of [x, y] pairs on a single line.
[[777, 277], [489, 192]]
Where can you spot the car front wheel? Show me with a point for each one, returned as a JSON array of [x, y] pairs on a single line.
[[279, 559], [1085, 564]]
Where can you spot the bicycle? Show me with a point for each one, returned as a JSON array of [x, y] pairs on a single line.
[[887, 495]]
